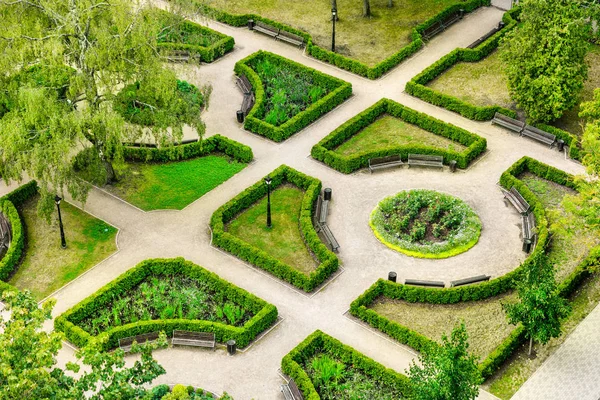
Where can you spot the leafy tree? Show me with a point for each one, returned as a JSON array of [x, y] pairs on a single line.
[[545, 57], [28, 360], [446, 372], [109, 45], [540, 308]]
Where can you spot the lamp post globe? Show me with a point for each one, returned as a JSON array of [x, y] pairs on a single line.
[[268, 181], [333, 18], [63, 242]]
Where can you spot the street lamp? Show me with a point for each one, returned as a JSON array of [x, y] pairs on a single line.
[[63, 242], [333, 18], [268, 181]]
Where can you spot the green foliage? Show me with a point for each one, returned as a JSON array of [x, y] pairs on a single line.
[[72, 321], [425, 223], [318, 361], [545, 57], [328, 261], [28, 360], [446, 372], [417, 86], [277, 113], [324, 150]]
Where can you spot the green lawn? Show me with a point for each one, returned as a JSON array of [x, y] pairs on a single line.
[[284, 240], [369, 40], [173, 185], [47, 267], [483, 83], [388, 131]]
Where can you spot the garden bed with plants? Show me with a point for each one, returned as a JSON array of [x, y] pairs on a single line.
[[324, 368], [392, 34], [202, 43], [165, 295], [248, 206], [357, 147], [426, 224], [289, 95], [391, 307], [181, 392]]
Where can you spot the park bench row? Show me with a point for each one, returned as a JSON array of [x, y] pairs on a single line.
[[527, 218], [320, 222], [441, 26], [421, 160], [245, 86], [532, 132], [440, 284], [276, 33], [181, 338]]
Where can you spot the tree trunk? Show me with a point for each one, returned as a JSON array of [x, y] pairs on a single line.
[[110, 172], [390, 3], [366, 8], [530, 345], [334, 7]]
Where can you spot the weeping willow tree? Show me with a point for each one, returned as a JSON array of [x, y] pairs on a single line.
[[64, 63]]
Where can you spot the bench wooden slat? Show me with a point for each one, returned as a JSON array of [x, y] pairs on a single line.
[[324, 211], [442, 25], [244, 84], [291, 392], [198, 339], [419, 282], [330, 238], [515, 198], [466, 281], [317, 214], [384, 162], [247, 103], [266, 29], [426, 160], [126, 343], [290, 38], [528, 226], [539, 135], [510, 123]]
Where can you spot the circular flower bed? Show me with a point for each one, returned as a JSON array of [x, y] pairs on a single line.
[[426, 224]]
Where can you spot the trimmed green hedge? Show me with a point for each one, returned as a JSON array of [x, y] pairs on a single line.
[[414, 294], [324, 150], [339, 91], [216, 143], [265, 314], [417, 88], [319, 342], [339, 60], [329, 262]]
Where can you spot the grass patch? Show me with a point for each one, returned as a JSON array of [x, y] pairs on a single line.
[[173, 185], [389, 131], [369, 40], [46, 267], [283, 240]]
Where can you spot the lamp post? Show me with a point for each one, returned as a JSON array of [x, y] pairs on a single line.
[[268, 181], [63, 242], [333, 18]]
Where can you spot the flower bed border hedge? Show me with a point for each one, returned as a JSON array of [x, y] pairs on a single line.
[[484, 290], [329, 262], [324, 150], [265, 313], [202, 53], [337, 59], [317, 341], [339, 91], [215, 143]]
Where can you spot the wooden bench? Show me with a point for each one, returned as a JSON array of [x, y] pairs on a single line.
[[247, 103], [384, 162], [517, 200], [198, 339], [539, 135], [323, 211], [317, 213], [442, 25], [418, 282], [509, 123], [528, 227], [467, 281], [178, 56], [425, 160], [333, 243], [266, 29], [291, 392], [244, 84], [126, 343], [290, 38]]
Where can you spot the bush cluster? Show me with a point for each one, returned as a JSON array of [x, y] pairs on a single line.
[[312, 187], [215, 143], [324, 150], [319, 342], [338, 91], [265, 314], [417, 88], [183, 393], [337, 59], [359, 307]]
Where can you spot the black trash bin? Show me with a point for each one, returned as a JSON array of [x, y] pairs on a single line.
[[527, 245], [327, 194], [501, 25], [231, 347], [452, 165], [560, 144], [240, 116], [392, 276], [461, 12], [251, 24]]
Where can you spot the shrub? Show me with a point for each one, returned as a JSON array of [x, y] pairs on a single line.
[[264, 314], [324, 150], [245, 251], [283, 127]]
